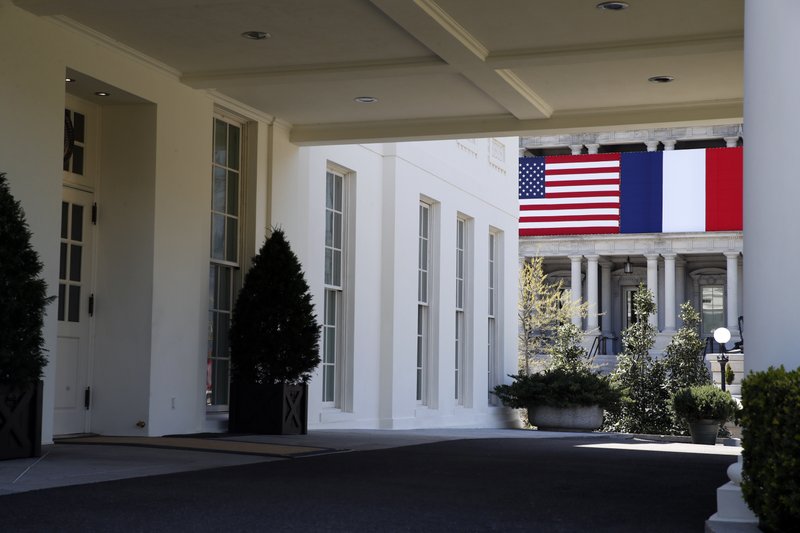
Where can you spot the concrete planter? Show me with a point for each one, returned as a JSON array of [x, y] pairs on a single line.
[[580, 418], [704, 431], [21, 421]]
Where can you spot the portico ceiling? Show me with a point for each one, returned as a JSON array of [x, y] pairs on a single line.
[[440, 68]]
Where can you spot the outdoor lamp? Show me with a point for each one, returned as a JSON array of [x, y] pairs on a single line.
[[722, 335], [628, 267]]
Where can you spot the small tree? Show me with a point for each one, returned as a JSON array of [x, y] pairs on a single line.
[[683, 356], [544, 309], [645, 404], [23, 295], [274, 333]]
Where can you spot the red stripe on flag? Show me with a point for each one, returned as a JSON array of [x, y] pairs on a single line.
[[564, 218], [724, 189], [584, 194], [573, 183], [588, 170], [548, 207], [531, 232]]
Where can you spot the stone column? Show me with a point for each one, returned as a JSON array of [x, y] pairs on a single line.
[[576, 148], [605, 291], [680, 287], [593, 148], [575, 286], [732, 264], [652, 146], [592, 323], [731, 142], [669, 144], [771, 113], [670, 316], [652, 284]]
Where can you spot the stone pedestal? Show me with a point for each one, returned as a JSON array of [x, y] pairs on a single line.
[[732, 511]]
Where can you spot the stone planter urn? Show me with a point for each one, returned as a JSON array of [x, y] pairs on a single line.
[[704, 431], [578, 418]]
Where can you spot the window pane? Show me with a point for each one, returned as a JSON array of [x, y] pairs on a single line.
[[64, 219], [62, 297], [75, 253], [232, 241], [218, 190], [328, 228], [220, 142], [329, 384], [74, 304], [217, 236], [233, 193], [337, 267], [338, 193], [330, 308], [212, 287], [330, 346], [224, 289], [62, 263], [233, 147], [337, 230], [79, 127], [329, 190], [328, 266], [223, 325], [77, 223], [77, 160], [423, 287]]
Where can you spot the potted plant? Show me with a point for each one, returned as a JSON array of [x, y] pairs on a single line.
[[274, 343], [561, 398], [24, 297], [705, 408]]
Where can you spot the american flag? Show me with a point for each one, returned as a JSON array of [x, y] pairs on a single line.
[[571, 194]]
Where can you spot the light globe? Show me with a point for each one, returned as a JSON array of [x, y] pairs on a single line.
[[722, 335]]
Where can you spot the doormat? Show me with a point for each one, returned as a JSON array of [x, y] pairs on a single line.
[[204, 445]]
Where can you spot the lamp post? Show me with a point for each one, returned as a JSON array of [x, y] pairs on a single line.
[[722, 336]]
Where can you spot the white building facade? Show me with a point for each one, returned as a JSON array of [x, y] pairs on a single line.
[[147, 227], [700, 267]]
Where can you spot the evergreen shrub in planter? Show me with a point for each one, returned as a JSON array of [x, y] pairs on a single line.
[[771, 447], [23, 298], [705, 408], [274, 342]]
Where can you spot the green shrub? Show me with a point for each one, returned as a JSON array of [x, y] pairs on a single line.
[[23, 295], [558, 387], [704, 402], [729, 375], [771, 447]]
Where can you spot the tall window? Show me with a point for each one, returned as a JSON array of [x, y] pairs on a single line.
[[332, 323], [461, 228], [423, 298], [712, 310], [492, 318], [224, 271]]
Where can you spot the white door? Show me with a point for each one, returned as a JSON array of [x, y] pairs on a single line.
[[75, 300]]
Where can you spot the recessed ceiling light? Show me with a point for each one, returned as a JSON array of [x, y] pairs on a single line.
[[660, 79], [256, 35], [69, 80], [365, 99], [102, 93], [613, 6]]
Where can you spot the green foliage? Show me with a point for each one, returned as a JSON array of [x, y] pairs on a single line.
[[23, 295], [683, 357], [729, 374], [274, 332], [704, 402], [771, 447], [641, 379], [544, 307], [558, 387]]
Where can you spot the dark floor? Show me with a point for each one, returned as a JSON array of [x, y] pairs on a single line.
[[558, 485]]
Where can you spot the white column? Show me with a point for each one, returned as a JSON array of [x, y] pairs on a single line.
[[605, 292], [652, 284], [652, 146], [731, 142], [771, 112], [670, 316], [576, 149], [575, 286], [593, 148], [669, 144], [732, 296], [680, 287], [592, 323]]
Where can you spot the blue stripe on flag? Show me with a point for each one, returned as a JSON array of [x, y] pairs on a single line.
[[640, 192]]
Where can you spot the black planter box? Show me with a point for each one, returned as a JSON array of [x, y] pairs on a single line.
[[278, 409], [20, 421]]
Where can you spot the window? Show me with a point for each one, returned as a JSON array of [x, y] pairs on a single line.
[[224, 270], [712, 308], [461, 228], [332, 331], [423, 299], [491, 351]]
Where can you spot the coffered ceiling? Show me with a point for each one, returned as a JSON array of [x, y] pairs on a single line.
[[441, 68]]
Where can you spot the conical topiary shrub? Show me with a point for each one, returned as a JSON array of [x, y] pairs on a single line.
[[23, 298], [274, 341]]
